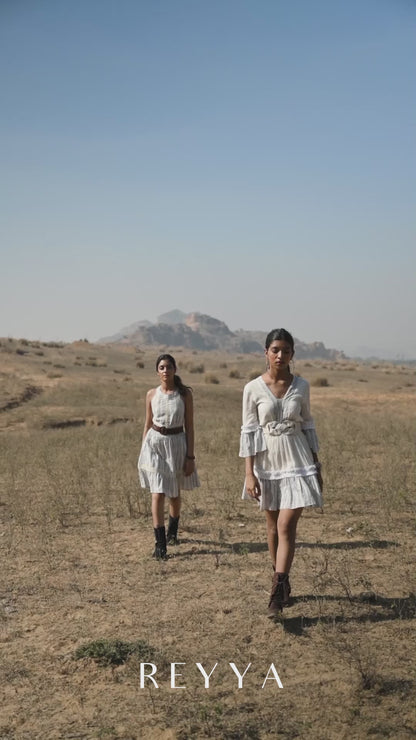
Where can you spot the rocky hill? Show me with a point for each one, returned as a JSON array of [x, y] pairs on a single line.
[[200, 331]]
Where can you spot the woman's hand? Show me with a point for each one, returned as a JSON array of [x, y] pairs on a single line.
[[253, 486], [188, 467]]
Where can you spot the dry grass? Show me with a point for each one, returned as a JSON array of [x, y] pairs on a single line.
[[83, 604]]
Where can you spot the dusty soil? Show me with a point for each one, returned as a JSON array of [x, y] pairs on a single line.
[[76, 541]]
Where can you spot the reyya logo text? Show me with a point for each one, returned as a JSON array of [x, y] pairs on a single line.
[[148, 675]]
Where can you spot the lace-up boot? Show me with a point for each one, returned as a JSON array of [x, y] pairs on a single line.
[[279, 596]]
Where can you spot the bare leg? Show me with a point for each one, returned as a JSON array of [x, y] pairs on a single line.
[[272, 538], [158, 509], [175, 505], [287, 521]]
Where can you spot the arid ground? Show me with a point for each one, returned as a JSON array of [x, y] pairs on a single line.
[[83, 605]]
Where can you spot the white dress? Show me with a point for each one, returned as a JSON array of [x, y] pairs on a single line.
[[280, 434], [162, 456]]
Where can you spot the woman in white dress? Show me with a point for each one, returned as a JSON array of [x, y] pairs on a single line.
[[167, 460], [279, 443]]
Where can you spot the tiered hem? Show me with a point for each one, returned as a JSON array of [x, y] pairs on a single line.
[[288, 493]]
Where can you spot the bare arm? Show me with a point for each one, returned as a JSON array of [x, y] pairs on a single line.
[[149, 413], [252, 482]]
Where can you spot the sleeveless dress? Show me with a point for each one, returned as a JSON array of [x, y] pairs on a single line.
[[162, 456], [280, 434]]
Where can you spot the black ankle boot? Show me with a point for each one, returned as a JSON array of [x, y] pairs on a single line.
[[160, 544], [172, 535]]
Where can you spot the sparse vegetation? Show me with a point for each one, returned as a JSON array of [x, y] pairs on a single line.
[[76, 541], [115, 652]]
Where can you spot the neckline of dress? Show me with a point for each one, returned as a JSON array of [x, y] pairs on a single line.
[[277, 398], [168, 393]]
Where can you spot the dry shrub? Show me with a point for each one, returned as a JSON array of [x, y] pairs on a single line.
[[196, 368], [223, 365], [211, 378], [234, 373], [140, 364], [320, 382]]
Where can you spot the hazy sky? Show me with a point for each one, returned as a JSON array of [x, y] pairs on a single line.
[[250, 159]]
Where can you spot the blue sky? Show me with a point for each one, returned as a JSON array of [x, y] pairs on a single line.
[[249, 159]]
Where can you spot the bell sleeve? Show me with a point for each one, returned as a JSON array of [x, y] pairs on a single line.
[[252, 438], [308, 424]]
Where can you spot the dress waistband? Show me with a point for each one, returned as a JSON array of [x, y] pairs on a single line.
[[276, 428], [167, 430]]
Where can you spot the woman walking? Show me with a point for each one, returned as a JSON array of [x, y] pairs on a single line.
[[167, 459], [279, 443]]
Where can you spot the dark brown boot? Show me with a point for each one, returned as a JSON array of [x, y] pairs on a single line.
[[279, 596]]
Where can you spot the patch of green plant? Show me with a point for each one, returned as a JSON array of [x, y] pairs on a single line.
[[115, 652]]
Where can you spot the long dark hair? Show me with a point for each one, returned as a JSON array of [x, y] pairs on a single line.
[[280, 335], [183, 389]]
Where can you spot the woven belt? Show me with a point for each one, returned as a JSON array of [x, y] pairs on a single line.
[[167, 430], [276, 428]]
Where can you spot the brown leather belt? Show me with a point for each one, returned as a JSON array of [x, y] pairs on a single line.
[[167, 430]]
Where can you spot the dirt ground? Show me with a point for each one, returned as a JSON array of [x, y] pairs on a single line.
[[77, 574]]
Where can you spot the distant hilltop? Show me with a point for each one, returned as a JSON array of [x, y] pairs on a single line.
[[199, 331]]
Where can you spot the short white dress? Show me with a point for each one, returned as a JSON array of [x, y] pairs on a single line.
[[162, 456], [280, 434]]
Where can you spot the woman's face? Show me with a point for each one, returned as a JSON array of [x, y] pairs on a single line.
[[279, 354], [165, 370]]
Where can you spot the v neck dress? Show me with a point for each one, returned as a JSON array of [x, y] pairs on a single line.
[[280, 434], [162, 456]]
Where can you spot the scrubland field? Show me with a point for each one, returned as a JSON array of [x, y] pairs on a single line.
[[83, 605]]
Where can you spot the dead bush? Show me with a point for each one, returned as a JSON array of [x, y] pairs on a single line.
[[211, 378], [196, 368], [320, 382]]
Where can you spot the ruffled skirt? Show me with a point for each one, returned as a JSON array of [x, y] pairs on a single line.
[[288, 493], [286, 473], [161, 462]]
